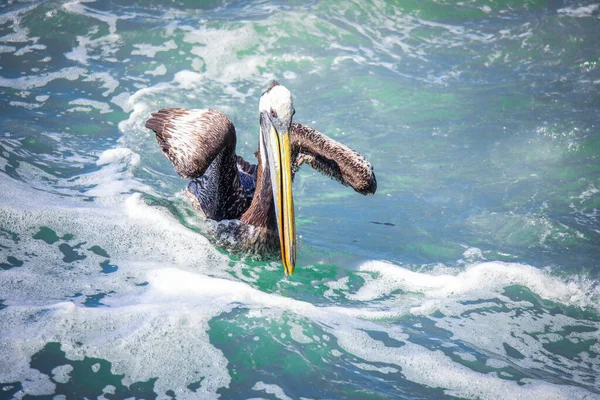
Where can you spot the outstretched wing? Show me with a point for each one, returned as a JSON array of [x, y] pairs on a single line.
[[201, 146], [192, 139], [332, 159]]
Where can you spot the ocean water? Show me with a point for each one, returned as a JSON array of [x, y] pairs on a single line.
[[472, 273]]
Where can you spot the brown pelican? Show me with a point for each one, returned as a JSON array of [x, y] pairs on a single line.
[[252, 204]]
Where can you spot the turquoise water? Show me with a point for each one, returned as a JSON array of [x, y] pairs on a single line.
[[472, 273]]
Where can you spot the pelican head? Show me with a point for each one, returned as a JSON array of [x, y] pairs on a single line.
[[276, 111]]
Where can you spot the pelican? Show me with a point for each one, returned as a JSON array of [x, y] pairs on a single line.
[[251, 205]]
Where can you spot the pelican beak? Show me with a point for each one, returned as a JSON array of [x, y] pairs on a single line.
[[276, 142]]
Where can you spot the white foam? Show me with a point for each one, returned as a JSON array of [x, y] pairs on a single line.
[[139, 238], [125, 336], [20, 34], [104, 45], [142, 102], [23, 104], [119, 154], [466, 356], [297, 333], [370, 367], [7, 49], [198, 64], [341, 284], [114, 178], [36, 81], [98, 105], [12, 15], [79, 109], [28, 49], [150, 51], [434, 369], [522, 331], [122, 100], [473, 254], [160, 70], [217, 67], [107, 44], [473, 282], [220, 49], [417, 363], [108, 82], [579, 12], [181, 302], [271, 389], [77, 7], [79, 53], [61, 373], [289, 75]]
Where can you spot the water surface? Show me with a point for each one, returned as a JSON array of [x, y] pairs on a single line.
[[472, 273]]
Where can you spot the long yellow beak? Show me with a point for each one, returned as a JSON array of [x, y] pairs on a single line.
[[281, 180]]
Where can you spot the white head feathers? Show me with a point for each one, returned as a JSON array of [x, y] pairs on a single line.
[[278, 99]]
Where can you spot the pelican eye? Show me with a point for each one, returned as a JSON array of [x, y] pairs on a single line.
[[273, 113]]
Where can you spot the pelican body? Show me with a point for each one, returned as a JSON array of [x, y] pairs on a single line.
[[250, 206]]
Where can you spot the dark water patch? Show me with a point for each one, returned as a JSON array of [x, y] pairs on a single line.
[[8, 390], [70, 255], [482, 301], [47, 235], [107, 268], [420, 329], [12, 262], [501, 308], [142, 284], [12, 163], [2, 306], [194, 386], [569, 349], [567, 330], [512, 352], [384, 338], [88, 378], [99, 251], [95, 300]]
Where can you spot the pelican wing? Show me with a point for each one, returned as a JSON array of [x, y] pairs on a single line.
[[247, 173], [246, 167], [191, 139], [332, 159]]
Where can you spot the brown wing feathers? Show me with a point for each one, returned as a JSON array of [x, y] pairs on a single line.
[[191, 139], [332, 159]]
